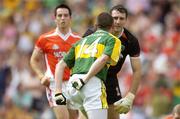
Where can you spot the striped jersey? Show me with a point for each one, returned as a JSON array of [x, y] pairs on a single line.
[[84, 53], [55, 45]]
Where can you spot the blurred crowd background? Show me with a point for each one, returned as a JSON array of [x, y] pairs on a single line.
[[156, 24]]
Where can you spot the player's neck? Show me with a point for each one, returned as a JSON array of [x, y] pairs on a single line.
[[64, 30], [119, 32], [116, 31]]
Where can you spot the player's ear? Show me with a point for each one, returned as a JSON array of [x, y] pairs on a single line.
[[54, 18], [111, 30]]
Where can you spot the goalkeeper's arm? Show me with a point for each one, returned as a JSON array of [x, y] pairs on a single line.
[[125, 104]]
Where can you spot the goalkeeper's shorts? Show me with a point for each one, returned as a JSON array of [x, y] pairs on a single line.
[[112, 90]]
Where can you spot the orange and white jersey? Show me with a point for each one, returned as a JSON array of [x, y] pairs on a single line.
[[55, 45]]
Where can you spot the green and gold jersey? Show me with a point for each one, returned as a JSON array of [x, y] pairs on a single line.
[[84, 53]]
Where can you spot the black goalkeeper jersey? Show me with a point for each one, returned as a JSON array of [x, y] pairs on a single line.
[[130, 46]]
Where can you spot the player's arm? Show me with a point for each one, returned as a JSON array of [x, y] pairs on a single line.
[[111, 55], [136, 68], [59, 97], [67, 61], [36, 62], [96, 67], [59, 75], [125, 104]]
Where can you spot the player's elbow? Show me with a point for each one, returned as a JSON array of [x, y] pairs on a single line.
[[105, 58], [61, 65]]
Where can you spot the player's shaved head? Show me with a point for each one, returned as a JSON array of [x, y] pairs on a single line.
[[104, 21]]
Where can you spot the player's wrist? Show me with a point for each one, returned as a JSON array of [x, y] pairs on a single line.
[[41, 77], [82, 81], [60, 98], [78, 83], [130, 96], [58, 91]]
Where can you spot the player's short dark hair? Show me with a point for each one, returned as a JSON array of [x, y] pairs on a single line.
[[120, 8], [104, 21], [62, 6]]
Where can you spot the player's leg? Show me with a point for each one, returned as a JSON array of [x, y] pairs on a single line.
[[61, 112], [112, 114], [82, 114], [74, 100], [113, 95], [97, 114], [73, 114], [95, 102]]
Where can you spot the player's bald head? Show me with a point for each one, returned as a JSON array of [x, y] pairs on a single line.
[[104, 21]]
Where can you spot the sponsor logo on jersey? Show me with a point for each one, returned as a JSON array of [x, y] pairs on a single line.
[[55, 47], [59, 55]]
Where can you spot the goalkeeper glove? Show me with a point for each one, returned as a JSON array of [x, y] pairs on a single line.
[[124, 104], [60, 99], [78, 83]]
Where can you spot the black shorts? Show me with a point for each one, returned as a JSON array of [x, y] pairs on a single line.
[[112, 90]]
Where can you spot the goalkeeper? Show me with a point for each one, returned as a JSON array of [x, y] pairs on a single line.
[[130, 46], [89, 60]]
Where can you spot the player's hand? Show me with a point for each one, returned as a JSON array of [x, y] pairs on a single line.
[[124, 104], [60, 99], [77, 83], [45, 81]]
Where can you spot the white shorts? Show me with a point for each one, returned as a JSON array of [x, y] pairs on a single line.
[[50, 92], [91, 96]]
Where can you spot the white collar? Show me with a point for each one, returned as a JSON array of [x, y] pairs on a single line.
[[64, 37]]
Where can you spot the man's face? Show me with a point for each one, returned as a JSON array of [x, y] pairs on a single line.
[[119, 20], [63, 18]]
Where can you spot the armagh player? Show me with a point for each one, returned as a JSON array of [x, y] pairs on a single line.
[[130, 46], [51, 47], [89, 60]]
